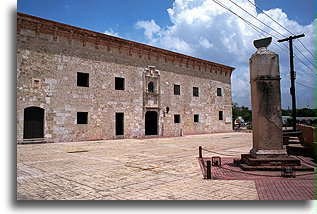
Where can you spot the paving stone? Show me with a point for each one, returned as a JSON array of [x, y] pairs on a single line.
[[148, 169]]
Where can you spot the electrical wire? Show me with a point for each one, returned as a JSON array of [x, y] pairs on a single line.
[[259, 29], [281, 27], [296, 57], [304, 56], [306, 48], [249, 23], [309, 68], [306, 86], [257, 18]]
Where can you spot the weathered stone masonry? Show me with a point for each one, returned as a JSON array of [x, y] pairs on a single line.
[[50, 54]]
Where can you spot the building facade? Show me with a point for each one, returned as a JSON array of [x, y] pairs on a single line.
[[76, 85]]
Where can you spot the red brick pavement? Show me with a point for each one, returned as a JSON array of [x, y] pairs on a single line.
[[294, 189], [270, 185]]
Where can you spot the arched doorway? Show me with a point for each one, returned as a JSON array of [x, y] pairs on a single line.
[[151, 123], [33, 126]]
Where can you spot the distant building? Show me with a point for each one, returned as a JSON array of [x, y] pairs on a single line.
[[239, 121], [300, 120], [76, 85]]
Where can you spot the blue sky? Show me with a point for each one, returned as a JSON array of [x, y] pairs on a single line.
[[121, 15], [202, 29], [100, 15]]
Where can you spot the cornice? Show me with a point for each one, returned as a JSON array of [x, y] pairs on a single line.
[[44, 26]]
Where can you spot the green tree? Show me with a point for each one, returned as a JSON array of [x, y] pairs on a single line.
[[306, 112], [242, 111], [286, 112]]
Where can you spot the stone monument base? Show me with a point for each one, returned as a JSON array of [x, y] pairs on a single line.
[[261, 153], [270, 163]]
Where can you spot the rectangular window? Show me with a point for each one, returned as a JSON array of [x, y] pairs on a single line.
[[82, 117], [119, 83], [177, 118], [219, 92], [82, 79], [177, 89], [220, 115], [196, 118], [119, 123], [195, 91]]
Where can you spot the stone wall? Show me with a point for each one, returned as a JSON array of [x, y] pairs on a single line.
[[309, 135], [47, 66]]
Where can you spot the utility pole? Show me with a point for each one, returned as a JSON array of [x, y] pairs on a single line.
[[292, 74]]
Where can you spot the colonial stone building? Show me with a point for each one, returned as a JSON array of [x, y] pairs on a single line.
[[75, 85]]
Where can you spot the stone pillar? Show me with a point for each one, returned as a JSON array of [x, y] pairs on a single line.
[[266, 105], [267, 152]]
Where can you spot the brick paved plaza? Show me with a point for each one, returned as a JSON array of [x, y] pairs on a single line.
[[150, 169]]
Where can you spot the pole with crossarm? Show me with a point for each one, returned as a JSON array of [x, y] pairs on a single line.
[[292, 74]]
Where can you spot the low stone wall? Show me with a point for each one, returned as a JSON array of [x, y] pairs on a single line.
[[309, 134]]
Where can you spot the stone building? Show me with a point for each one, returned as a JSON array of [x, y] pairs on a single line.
[[76, 85]]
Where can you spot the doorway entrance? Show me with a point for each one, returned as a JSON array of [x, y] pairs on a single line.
[[151, 123], [119, 123], [33, 126]]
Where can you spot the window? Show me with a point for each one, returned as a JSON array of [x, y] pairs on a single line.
[[150, 87], [82, 117], [177, 89], [220, 115], [119, 83], [177, 118], [219, 92], [36, 83], [196, 118], [195, 91], [82, 79]]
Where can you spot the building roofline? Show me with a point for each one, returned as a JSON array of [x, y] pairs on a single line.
[[52, 27]]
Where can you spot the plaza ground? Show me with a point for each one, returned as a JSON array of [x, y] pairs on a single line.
[[151, 169]]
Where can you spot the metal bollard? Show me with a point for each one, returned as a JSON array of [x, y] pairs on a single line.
[[200, 152], [208, 170]]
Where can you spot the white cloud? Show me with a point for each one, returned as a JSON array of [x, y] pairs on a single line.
[[111, 33], [204, 43], [150, 28], [203, 29]]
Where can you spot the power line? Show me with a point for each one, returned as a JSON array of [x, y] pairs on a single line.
[[257, 18], [259, 30], [292, 74], [306, 49], [296, 57], [301, 83], [269, 16], [247, 22], [304, 56], [271, 29], [281, 26], [306, 86]]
